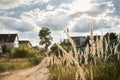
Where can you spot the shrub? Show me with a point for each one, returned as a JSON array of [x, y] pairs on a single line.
[[4, 49], [54, 49], [22, 52], [35, 59]]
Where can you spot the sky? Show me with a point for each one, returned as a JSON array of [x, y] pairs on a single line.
[[26, 17]]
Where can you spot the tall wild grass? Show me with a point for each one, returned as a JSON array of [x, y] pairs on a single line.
[[99, 61]]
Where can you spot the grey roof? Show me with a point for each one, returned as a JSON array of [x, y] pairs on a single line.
[[7, 37], [24, 42]]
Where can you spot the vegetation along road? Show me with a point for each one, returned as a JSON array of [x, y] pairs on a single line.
[[39, 72]]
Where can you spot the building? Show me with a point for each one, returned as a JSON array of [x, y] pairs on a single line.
[[9, 40], [78, 40], [94, 38], [0, 48], [25, 42]]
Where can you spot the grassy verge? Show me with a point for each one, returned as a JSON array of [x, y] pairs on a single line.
[[19, 58], [17, 64]]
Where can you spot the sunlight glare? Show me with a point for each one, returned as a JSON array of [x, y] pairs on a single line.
[[81, 5]]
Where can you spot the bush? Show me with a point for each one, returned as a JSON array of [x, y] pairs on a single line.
[[22, 52], [4, 49], [56, 51], [35, 60], [42, 51]]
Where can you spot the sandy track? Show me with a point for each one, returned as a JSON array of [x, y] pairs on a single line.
[[39, 72]]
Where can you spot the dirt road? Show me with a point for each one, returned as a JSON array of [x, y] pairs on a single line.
[[39, 72]]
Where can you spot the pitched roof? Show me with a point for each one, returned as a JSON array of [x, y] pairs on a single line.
[[25, 42], [77, 36], [8, 37]]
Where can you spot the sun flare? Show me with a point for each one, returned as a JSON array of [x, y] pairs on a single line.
[[81, 5]]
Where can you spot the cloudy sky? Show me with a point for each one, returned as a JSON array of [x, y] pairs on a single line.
[[26, 17]]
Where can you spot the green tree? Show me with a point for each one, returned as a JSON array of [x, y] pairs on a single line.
[[45, 37], [110, 36], [5, 49]]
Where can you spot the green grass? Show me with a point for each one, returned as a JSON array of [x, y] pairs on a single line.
[[7, 64], [62, 73], [16, 65], [19, 58], [110, 71]]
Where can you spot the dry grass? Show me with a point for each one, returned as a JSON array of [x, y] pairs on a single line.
[[99, 51]]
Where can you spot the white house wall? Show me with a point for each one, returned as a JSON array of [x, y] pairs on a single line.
[[0, 48], [9, 45], [16, 42], [82, 39]]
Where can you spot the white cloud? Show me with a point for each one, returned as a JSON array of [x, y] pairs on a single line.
[[55, 20], [61, 18], [31, 36], [82, 25], [49, 7], [77, 5], [34, 15], [29, 15], [15, 24], [97, 10], [100, 9], [7, 4], [11, 13]]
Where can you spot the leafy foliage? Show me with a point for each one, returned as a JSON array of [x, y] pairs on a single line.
[[4, 49], [54, 49], [45, 37], [22, 52], [35, 59], [110, 36]]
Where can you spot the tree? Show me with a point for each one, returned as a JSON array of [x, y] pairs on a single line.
[[54, 49], [45, 37], [110, 36], [5, 49]]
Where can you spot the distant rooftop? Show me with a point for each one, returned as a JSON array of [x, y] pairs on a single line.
[[24, 42], [7, 37]]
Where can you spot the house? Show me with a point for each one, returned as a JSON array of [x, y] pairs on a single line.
[[78, 40], [65, 42], [25, 42], [0, 48], [9, 40], [94, 38]]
